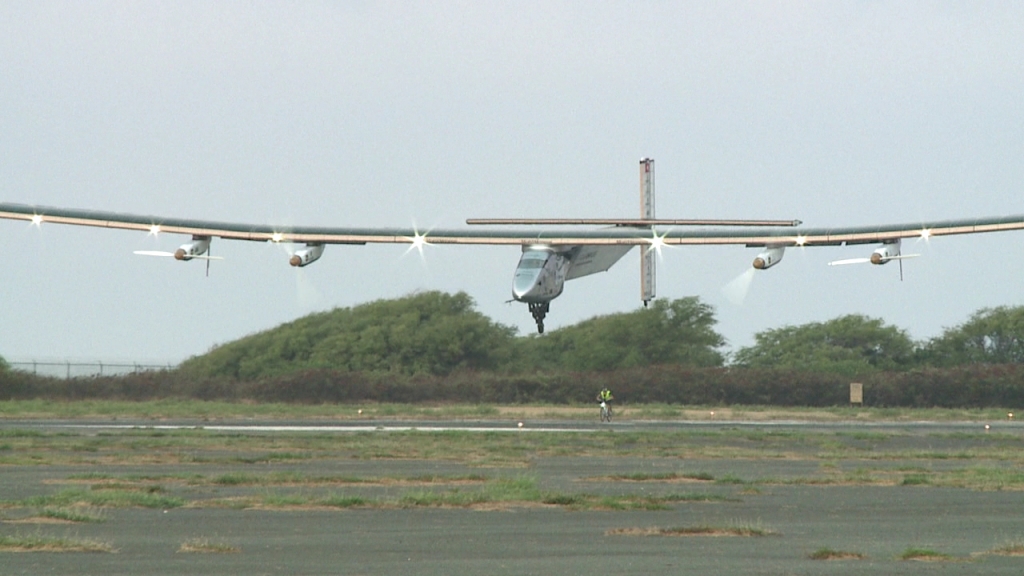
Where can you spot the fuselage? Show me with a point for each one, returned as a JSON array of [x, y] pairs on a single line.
[[540, 275]]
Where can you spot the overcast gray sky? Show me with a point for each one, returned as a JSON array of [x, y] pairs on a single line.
[[390, 114]]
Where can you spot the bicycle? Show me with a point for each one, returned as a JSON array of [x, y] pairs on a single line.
[[606, 412]]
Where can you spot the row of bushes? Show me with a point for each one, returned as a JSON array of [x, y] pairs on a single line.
[[962, 387]]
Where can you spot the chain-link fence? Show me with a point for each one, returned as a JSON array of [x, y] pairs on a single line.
[[74, 369]]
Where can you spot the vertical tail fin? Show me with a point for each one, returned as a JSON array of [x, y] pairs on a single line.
[[647, 256]]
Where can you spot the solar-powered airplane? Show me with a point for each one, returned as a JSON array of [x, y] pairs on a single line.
[[553, 250]]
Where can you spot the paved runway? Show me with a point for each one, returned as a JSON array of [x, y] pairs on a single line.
[[771, 475]]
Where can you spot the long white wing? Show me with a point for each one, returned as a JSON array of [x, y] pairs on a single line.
[[620, 236]]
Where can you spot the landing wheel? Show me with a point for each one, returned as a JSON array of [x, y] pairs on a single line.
[[539, 310]]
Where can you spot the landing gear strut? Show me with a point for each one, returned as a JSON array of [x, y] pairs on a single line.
[[539, 310]]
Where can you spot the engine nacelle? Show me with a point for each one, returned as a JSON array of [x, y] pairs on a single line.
[[311, 253], [769, 257], [887, 252], [197, 247]]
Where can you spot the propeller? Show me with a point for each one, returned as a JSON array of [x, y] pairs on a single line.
[[171, 255], [875, 260], [737, 289], [849, 261], [163, 254], [308, 295], [868, 260]]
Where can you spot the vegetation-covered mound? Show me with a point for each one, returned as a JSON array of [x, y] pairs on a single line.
[[434, 333], [426, 333]]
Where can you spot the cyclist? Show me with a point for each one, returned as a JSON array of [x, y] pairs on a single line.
[[604, 398]]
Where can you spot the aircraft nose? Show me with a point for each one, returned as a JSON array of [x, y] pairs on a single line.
[[524, 284]]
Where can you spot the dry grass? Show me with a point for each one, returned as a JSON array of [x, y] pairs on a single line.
[[746, 530], [206, 546], [1011, 548], [830, 554], [40, 543], [38, 520], [61, 515], [665, 477]]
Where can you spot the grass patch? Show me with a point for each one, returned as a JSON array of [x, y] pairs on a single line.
[[498, 493], [40, 543], [206, 546], [52, 515], [173, 408], [339, 501], [696, 497], [830, 554], [741, 529], [519, 489], [298, 479], [277, 500], [273, 457], [507, 491], [220, 410], [101, 499], [982, 478], [655, 477], [71, 515], [141, 447], [915, 480], [19, 433], [925, 555], [571, 500]]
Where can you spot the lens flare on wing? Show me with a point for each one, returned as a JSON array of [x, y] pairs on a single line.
[[154, 230], [736, 290], [925, 236], [37, 219], [657, 243], [416, 242]]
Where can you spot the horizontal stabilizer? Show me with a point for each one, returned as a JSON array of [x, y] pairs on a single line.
[[636, 222]]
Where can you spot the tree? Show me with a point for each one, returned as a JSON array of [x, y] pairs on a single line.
[[990, 336], [668, 332], [852, 344], [4, 366]]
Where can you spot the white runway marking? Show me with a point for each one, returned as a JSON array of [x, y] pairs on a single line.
[[277, 428]]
